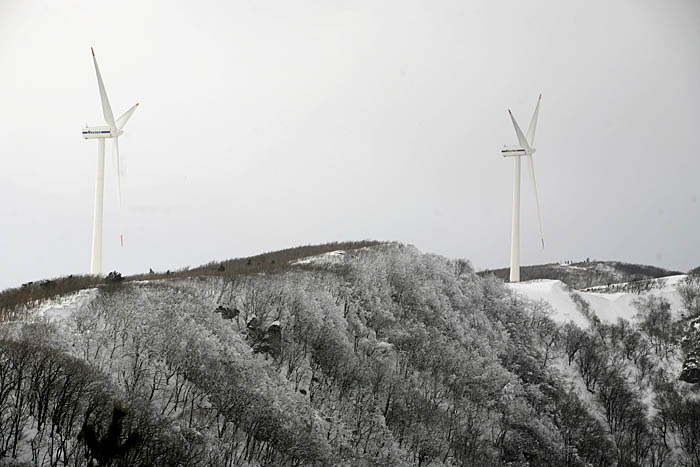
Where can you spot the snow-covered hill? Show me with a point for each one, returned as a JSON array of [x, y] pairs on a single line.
[[630, 350], [607, 306], [586, 273], [377, 355]]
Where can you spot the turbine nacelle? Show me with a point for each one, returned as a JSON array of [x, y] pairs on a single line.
[[106, 131], [513, 151], [102, 131]]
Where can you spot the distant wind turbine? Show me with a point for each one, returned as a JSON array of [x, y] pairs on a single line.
[[525, 148], [112, 130]]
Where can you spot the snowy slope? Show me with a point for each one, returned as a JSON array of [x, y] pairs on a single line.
[[556, 294], [607, 306], [60, 309]]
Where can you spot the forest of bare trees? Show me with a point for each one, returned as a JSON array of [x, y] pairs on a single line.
[[389, 358]]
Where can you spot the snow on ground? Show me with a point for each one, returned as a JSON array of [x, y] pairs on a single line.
[[571, 374], [607, 306], [556, 294], [57, 310], [570, 266], [336, 256]]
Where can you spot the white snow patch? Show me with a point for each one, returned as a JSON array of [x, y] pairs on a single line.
[[570, 266], [336, 256], [556, 294], [59, 309], [607, 306], [611, 306]]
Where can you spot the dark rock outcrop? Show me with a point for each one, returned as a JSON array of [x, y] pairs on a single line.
[[253, 323], [273, 338], [690, 373], [227, 313], [265, 340]]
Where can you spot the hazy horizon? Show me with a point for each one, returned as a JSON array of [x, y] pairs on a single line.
[[268, 126]]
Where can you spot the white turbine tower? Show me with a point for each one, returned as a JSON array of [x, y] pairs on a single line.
[[525, 148], [112, 130]]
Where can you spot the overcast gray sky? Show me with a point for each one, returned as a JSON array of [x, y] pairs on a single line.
[[269, 124]]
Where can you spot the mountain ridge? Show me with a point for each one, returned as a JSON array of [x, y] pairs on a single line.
[[378, 356], [585, 274]]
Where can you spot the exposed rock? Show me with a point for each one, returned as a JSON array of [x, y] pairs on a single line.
[[690, 373], [227, 313], [265, 340], [253, 323], [273, 338]]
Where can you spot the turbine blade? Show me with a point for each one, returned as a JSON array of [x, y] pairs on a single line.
[[115, 160], [121, 121], [521, 137], [106, 108], [534, 190], [533, 123]]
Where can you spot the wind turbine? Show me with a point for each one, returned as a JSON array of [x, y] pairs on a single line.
[[525, 148], [112, 130]]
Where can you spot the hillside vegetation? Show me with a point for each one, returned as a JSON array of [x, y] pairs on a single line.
[[586, 273], [388, 357], [15, 302]]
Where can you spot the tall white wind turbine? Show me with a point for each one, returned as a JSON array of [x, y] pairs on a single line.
[[524, 148], [112, 130]]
